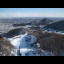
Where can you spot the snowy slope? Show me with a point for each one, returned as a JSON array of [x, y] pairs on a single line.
[[26, 46], [15, 41]]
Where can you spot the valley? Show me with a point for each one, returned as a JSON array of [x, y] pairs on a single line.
[[32, 36]]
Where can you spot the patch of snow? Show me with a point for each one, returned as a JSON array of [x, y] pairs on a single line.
[[15, 41], [38, 45], [24, 45]]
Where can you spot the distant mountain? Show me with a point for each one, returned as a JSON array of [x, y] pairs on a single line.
[[46, 21], [30, 21], [56, 26]]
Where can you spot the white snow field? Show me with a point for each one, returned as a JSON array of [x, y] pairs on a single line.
[[25, 45]]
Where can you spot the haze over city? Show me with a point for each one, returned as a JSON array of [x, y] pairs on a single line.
[[31, 12]]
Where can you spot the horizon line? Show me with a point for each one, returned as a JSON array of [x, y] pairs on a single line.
[[31, 17]]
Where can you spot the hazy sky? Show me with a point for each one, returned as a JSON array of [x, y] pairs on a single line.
[[31, 12]]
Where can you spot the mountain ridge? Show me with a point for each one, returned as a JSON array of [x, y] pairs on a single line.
[[56, 26]]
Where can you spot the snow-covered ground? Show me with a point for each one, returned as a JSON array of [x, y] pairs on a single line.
[[25, 45], [54, 31]]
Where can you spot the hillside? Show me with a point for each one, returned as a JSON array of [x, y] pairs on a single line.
[[14, 32], [46, 21], [50, 42], [30, 40], [56, 26], [5, 47]]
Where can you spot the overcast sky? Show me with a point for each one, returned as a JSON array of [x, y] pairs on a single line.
[[31, 12]]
